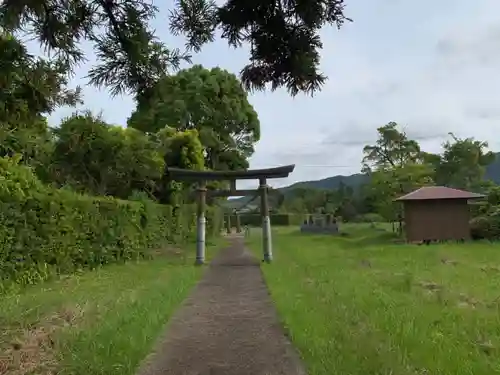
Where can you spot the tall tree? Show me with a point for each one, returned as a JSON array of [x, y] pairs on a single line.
[[283, 35], [397, 166], [210, 101], [30, 85], [392, 149], [463, 163], [30, 88], [130, 57], [387, 184]]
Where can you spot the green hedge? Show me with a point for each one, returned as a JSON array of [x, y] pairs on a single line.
[[255, 220], [486, 226], [368, 218], [44, 230]]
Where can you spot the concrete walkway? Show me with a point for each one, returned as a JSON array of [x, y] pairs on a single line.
[[228, 326]]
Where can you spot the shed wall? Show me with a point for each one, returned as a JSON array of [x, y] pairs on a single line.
[[438, 219]]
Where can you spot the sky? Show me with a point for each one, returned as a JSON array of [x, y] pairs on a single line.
[[431, 66]]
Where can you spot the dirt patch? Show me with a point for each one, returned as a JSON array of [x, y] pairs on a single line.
[[466, 301], [430, 286], [32, 350], [365, 263], [449, 262], [309, 281], [490, 269], [29, 353], [398, 241], [434, 291], [486, 346], [169, 252]]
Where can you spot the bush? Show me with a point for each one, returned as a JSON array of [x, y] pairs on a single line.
[[486, 226], [255, 220], [215, 221], [369, 218], [296, 219], [46, 231]]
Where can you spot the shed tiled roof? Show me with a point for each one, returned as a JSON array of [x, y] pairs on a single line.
[[438, 192]]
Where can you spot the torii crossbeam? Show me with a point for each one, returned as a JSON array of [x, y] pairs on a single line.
[[232, 176]]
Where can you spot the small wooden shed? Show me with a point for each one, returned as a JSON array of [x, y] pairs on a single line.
[[437, 213]]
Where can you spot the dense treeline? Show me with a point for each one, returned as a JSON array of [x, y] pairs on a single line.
[[396, 165]]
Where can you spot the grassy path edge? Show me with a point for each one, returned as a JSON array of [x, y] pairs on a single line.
[[101, 322]]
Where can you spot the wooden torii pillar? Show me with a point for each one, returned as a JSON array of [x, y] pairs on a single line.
[[262, 175]]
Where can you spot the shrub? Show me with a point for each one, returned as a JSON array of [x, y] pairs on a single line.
[[255, 220], [486, 226], [296, 219], [46, 231], [369, 218], [215, 221]]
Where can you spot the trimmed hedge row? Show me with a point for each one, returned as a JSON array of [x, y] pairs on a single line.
[[255, 220], [44, 230], [368, 218]]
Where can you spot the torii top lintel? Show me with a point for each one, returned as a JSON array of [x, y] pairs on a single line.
[[251, 174]]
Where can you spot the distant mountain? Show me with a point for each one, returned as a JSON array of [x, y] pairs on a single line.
[[354, 181], [330, 183]]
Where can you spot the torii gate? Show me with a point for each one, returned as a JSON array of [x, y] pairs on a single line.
[[232, 176]]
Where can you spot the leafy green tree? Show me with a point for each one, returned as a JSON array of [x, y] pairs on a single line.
[[31, 140], [130, 58], [392, 149], [184, 150], [303, 200], [283, 36], [388, 184], [95, 157], [30, 88], [306, 199], [278, 198], [210, 101], [463, 163], [294, 205], [141, 163], [397, 166], [365, 202], [346, 210], [92, 156]]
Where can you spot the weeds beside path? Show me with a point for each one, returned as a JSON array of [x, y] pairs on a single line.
[[100, 322], [362, 304]]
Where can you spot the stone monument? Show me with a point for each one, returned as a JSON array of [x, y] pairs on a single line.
[[321, 224]]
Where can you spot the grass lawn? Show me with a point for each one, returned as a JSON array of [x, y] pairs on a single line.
[[100, 322], [363, 304]]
